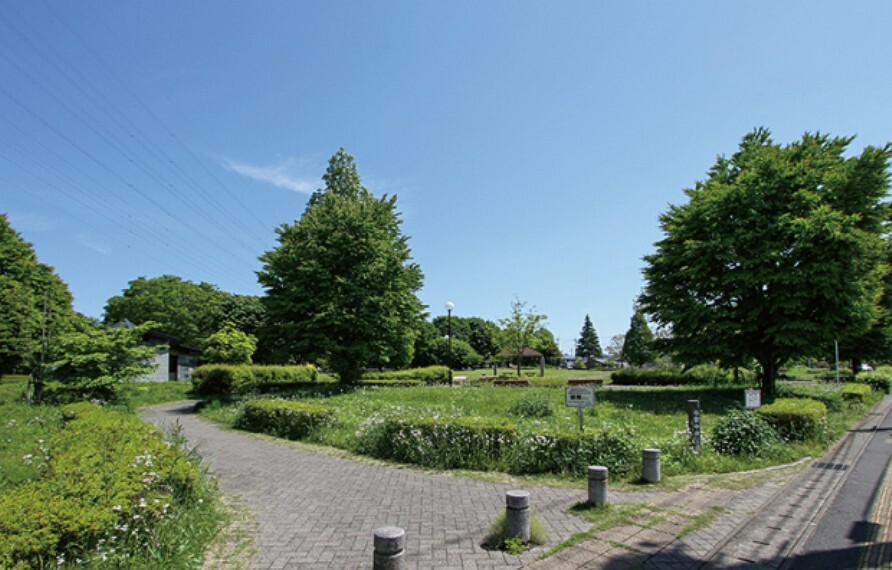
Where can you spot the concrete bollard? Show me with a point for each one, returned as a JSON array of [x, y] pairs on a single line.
[[390, 546], [651, 471], [517, 515], [597, 485]]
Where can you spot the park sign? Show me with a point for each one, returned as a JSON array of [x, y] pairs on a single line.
[[752, 399], [580, 397]]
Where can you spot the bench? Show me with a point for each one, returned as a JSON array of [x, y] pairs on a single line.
[[585, 381]]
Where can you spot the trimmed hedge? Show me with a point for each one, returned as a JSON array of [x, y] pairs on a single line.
[[225, 379], [429, 375], [796, 419], [879, 380], [466, 443], [485, 443], [856, 392], [108, 476], [572, 452], [701, 375], [654, 377], [284, 418]]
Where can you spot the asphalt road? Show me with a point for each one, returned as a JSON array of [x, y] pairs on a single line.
[[842, 533]]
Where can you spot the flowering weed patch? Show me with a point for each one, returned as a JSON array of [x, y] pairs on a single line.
[[108, 486]]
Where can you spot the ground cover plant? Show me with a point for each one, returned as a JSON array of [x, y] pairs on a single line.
[[530, 430], [90, 486]]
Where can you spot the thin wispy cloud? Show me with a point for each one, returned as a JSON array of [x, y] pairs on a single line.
[[282, 174], [94, 244]]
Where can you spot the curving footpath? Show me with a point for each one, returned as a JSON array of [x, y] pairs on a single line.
[[317, 511]]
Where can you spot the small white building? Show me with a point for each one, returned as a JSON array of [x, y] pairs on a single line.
[[174, 360]]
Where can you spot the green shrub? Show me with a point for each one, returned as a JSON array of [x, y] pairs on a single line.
[[392, 382], [532, 405], [880, 380], [430, 375], [108, 477], [572, 452], [283, 418], [743, 432], [796, 419], [715, 376], [828, 394], [224, 379], [845, 375], [856, 392], [652, 377], [445, 443]]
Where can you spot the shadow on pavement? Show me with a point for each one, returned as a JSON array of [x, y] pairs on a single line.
[[674, 558]]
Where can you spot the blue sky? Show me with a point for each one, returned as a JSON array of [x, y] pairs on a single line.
[[532, 145]]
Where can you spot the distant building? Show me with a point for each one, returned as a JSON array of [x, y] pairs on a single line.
[[174, 359]]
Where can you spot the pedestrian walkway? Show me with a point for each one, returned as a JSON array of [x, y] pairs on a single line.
[[318, 511]]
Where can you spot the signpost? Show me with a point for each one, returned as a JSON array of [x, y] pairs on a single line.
[[580, 397], [694, 424], [752, 399]]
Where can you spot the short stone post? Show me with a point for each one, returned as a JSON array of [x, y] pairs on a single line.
[[597, 485], [651, 471], [390, 546], [517, 515]]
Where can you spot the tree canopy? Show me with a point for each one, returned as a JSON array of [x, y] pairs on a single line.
[[341, 283], [34, 302], [776, 254], [180, 308]]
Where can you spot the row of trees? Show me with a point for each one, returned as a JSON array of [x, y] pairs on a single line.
[[779, 253]]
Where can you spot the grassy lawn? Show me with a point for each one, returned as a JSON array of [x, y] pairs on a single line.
[[654, 417]]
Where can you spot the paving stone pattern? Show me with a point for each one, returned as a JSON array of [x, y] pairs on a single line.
[[318, 511]]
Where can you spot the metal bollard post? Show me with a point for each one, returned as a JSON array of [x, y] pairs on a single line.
[[390, 546], [517, 515], [597, 485], [651, 471]]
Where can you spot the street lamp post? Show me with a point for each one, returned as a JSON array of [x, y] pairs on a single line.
[[449, 306]]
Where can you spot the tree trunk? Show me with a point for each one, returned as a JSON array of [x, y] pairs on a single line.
[[856, 366], [769, 377]]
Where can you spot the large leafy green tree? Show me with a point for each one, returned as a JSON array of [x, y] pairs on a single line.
[[638, 343], [180, 308], [341, 283], [777, 253], [35, 303], [588, 347]]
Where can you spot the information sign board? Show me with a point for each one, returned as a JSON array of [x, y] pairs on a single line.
[[580, 396], [752, 399]]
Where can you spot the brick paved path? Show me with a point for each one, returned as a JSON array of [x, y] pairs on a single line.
[[318, 511]]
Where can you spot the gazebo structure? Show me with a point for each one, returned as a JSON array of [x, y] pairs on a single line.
[[527, 352]]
